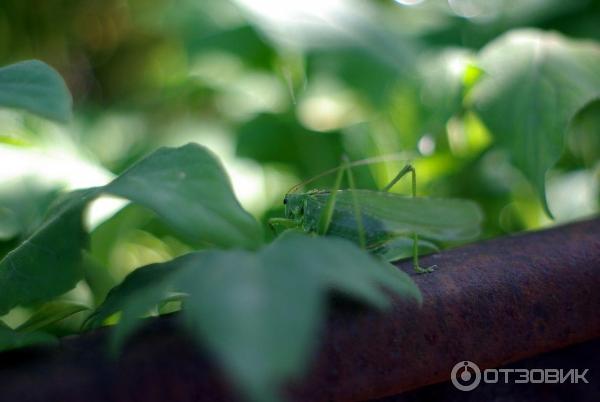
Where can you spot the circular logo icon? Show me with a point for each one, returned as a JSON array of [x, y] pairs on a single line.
[[465, 375]]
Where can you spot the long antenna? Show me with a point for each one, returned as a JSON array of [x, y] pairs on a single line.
[[369, 161]]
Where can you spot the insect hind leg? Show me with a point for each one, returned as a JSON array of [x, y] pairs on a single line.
[[408, 168], [418, 269]]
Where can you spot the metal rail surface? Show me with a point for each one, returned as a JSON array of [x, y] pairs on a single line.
[[493, 302]]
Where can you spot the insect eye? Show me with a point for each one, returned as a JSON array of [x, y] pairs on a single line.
[[284, 201]]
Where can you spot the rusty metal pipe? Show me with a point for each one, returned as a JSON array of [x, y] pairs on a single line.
[[493, 302]]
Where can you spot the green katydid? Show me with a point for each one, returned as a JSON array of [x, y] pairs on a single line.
[[379, 221]]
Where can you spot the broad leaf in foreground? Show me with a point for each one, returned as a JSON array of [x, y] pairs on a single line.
[[36, 87], [534, 84], [187, 188], [139, 293], [259, 312], [48, 263]]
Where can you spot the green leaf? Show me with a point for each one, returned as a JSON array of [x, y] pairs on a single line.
[[11, 339], [258, 312], [259, 318], [189, 189], [48, 263], [9, 224], [23, 205], [140, 292], [344, 267], [583, 138], [36, 87], [528, 99], [50, 313], [443, 85]]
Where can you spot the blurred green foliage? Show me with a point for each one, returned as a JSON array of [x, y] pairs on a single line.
[[280, 90], [146, 73], [259, 313]]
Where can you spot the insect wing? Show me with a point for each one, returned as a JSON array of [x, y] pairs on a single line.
[[443, 219]]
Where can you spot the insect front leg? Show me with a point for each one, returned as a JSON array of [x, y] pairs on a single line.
[[360, 227], [405, 170], [285, 223], [327, 215]]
